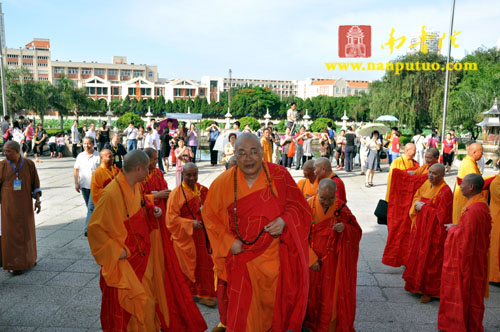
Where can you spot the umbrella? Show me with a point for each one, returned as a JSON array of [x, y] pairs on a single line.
[[387, 118], [371, 127], [223, 139], [163, 124]]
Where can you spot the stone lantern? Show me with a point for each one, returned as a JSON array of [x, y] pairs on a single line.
[[306, 118], [344, 121], [491, 126], [149, 114], [109, 114], [267, 117], [228, 117]]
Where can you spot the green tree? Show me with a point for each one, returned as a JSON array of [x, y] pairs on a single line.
[[124, 120], [255, 102], [251, 121]]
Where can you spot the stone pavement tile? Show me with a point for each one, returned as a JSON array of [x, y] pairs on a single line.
[[493, 301], [72, 279], [415, 327], [52, 264], [31, 278], [17, 314], [60, 329], [377, 327], [73, 316], [370, 294], [84, 265], [400, 295], [389, 280], [51, 295], [41, 233], [94, 283], [374, 312], [366, 279], [415, 313], [378, 267], [492, 319], [69, 251], [16, 329], [363, 265], [86, 296], [494, 287]]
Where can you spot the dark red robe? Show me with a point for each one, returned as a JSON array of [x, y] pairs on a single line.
[[403, 188], [465, 269]]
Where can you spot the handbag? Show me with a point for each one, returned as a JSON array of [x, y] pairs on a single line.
[[381, 212], [291, 150], [383, 154]]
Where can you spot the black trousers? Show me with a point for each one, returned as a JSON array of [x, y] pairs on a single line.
[[74, 150], [349, 157], [213, 154]]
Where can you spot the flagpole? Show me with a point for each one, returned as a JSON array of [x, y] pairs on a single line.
[[447, 75]]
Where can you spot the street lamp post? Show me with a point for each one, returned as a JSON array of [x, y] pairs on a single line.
[[447, 75]]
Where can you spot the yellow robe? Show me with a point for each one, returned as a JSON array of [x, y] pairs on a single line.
[[267, 146], [307, 188], [426, 191], [468, 166], [400, 163], [494, 269]]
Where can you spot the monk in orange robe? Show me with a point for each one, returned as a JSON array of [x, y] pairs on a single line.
[[267, 145], [468, 166], [404, 162], [259, 223], [431, 210], [334, 241], [494, 270], [323, 170], [465, 266], [132, 276], [308, 185], [405, 184], [185, 223], [103, 175]]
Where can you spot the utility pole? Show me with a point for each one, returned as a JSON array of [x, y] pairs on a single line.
[[230, 84], [2, 74], [446, 80]]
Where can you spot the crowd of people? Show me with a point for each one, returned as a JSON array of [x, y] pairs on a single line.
[[288, 265]]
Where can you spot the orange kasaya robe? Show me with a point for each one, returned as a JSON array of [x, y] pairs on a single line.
[[494, 270], [332, 293], [100, 179], [468, 166], [465, 269], [428, 233], [191, 245], [341, 194], [403, 164], [307, 188], [268, 282], [403, 188], [267, 146], [184, 314], [424, 169], [134, 293]]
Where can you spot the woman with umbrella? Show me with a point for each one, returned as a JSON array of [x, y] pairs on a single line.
[[183, 155]]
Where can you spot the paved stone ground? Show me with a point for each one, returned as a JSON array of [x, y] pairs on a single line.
[[61, 293]]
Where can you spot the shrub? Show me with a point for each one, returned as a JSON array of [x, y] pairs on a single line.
[[204, 124], [281, 126], [251, 121], [124, 120], [320, 124]]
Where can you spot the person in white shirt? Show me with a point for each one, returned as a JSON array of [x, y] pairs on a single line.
[[92, 133], [148, 140], [157, 145], [85, 165], [75, 138], [131, 133], [291, 116], [419, 140]]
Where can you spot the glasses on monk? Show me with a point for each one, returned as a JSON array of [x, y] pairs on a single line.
[[243, 154]]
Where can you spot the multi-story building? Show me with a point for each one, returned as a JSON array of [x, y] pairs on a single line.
[[34, 57], [313, 87], [431, 43]]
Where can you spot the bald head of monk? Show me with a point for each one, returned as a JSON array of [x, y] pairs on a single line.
[[249, 154], [322, 168], [106, 158], [231, 162], [153, 158], [472, 184], [190, 174], [135, 166], [436, 174], [410, 150], [11, 150], [432, 156], [308, 170], [475, 151], [327, 189]]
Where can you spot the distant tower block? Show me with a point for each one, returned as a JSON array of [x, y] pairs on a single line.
[[355, 47], [2, 29]]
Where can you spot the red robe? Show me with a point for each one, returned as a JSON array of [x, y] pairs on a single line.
[[465, 269], [403, 188], [425, 259], [332, 292], [184, 315], [281, 276]]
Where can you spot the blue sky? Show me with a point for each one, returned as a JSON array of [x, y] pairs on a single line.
[[284, 39]]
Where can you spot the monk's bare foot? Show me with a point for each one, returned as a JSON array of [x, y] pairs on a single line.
[[208, 302], [425, 299]]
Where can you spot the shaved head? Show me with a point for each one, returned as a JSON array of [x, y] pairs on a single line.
[[410, 150], [104, 152], [106, 157], [327, 190], [247, 138], [153, 158], [189, 166], [327, 184], [322, 168], [476, 181], [249, 155], [308, 164], [135, 158], [190, 174], [308, 170], [150, 152], [475, 151], [13, 145], [436, 174]]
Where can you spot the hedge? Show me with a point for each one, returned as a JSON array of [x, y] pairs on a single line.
[[251, 121], [124, 120], [320, 124]]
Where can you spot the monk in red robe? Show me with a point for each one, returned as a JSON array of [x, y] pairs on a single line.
[[432, 208], [323, 170], [103, 175], [465, 266], [185, 223], [132, 272], [258, 222], [308, 185], [334, 241], [404, 184]]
